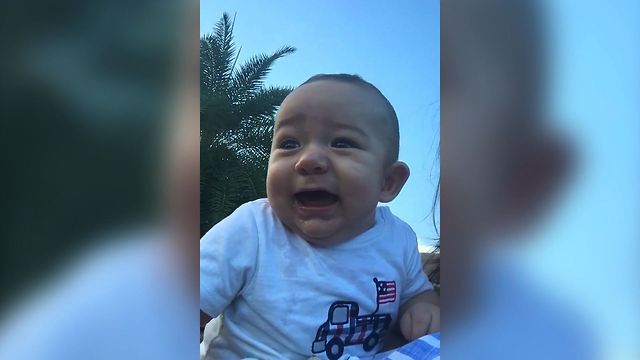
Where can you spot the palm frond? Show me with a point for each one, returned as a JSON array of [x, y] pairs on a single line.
[[263, 102], [217, 54], [224, 192], [250, 76]]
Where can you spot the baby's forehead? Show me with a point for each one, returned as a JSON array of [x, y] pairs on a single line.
[[337, 91], [333, 101]]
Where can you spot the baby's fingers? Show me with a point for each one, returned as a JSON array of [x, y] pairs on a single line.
[[434, 326], [414, 325]]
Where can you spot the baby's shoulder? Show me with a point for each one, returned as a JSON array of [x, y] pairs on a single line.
[[255, 206], [248, 221], [258, 210], [393, 223]]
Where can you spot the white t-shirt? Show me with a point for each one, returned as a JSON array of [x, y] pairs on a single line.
[[284, 298]]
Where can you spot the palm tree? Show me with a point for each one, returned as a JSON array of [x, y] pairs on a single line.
[[236, 123]]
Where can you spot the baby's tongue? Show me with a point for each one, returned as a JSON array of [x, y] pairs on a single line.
[[316, 198]]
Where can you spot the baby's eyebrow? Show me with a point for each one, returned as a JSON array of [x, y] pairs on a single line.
[[286, 122], [352, 128], [291, 121]]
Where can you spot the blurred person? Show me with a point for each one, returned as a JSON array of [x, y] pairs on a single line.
[[501, 165], [129, 293]]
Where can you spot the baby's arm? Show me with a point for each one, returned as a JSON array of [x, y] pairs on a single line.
[[420, 315], [228, 254]]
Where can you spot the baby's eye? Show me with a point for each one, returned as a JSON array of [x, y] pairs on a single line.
[[288, 144], [344, 143]]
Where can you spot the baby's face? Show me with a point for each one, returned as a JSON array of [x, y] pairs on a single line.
[[327, 165]]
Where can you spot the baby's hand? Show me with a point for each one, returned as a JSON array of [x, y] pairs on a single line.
[[419, 319]]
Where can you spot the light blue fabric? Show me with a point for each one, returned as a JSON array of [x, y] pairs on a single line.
[[424, 348]]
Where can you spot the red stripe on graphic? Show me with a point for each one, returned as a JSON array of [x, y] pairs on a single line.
[[363, 331]]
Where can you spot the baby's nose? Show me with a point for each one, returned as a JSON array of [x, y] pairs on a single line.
[[312, 161]]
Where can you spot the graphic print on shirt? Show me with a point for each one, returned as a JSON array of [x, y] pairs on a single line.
[[345, 326]]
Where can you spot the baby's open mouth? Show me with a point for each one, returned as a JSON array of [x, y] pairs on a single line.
[[316, 198]]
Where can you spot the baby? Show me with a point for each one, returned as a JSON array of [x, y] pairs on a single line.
[[317, 269]]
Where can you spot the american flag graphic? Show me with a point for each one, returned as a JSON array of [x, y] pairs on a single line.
[[386, 291]]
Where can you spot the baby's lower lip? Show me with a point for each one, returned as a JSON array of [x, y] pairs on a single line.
[[315, 210]]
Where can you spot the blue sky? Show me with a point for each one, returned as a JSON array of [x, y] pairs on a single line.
[[394, 45]]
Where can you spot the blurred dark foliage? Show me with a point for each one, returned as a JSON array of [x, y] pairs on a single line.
[[84, 96]]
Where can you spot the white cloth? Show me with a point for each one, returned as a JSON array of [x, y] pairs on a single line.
[[515, 318], [276, 290], [127, 300]]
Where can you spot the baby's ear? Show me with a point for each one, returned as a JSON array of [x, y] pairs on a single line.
[[395, 177]]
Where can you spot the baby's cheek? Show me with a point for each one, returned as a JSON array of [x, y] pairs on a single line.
[[277, 177]]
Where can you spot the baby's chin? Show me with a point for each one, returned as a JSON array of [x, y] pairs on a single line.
[[319, 233], [323, 242]]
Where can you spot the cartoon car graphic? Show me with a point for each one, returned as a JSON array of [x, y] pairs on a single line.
[[345, 327]]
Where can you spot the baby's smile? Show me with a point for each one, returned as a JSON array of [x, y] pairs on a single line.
[[315, 198]]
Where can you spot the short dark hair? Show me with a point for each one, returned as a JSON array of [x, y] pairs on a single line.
[[357, 80]]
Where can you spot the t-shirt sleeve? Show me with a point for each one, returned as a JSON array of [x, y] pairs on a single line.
[[228, 255], [416, 280]]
